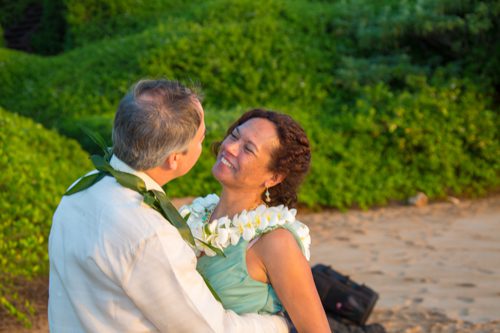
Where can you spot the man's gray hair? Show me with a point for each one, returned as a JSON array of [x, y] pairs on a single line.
[[155, 119]]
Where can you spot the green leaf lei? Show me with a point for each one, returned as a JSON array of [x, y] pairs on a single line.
[[153, 198]]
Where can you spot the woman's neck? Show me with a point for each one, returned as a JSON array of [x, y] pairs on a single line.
[[232, 202]]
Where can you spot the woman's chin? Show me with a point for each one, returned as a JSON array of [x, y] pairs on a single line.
[[221, 173]]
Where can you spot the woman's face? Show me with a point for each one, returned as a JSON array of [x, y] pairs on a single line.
[[245, 154]]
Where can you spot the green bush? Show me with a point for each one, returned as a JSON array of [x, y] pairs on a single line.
[[37, 167], [49, 38], [94, 20], [2, 42], [346, 78], [388, 145], [12, 11]]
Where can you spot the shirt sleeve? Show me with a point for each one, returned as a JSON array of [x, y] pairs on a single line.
[[163, 283]]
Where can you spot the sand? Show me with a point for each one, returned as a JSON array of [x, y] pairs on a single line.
[[436, 268]]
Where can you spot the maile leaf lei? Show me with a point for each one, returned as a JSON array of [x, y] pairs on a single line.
[[153, 198]]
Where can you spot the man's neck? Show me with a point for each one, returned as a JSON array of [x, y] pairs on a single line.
[[232, 202], [159, 175]]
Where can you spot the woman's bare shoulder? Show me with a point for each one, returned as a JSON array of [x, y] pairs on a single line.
[[277, 241]]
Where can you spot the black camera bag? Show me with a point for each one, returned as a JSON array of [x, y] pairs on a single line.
[[342, 297]]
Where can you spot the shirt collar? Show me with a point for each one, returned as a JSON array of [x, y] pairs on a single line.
[[119, 165]]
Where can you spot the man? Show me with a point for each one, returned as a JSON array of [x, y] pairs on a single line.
[[116, 264]]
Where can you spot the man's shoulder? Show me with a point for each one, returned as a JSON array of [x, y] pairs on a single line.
[[110, 208]]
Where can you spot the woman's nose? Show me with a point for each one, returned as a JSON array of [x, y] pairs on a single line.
[[231, 147]]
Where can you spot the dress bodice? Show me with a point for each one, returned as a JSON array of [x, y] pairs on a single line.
[[230, 279], [228, 275]]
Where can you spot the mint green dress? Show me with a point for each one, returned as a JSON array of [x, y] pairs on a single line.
[[228, 275], [237, 290]]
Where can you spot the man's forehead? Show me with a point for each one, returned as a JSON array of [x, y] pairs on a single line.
[[197, 103]]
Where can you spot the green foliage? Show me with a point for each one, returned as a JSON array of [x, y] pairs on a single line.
[[93, 20], [383, 124], [346, 78], [37, 166], [11, 11], [2, 42], [49, 37], [388, 145]]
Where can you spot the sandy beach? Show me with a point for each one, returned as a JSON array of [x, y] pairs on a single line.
[[436, 268]]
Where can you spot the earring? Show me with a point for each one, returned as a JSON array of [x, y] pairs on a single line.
[[268, 197]]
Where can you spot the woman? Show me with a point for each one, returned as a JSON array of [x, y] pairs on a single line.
[[260, 164]]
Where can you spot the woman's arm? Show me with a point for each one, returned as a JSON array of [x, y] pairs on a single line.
[[277, 258]]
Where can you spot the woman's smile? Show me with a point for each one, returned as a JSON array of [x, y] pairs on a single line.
[[226, 163]]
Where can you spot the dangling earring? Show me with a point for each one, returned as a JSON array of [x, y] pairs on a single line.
[[268, 197]]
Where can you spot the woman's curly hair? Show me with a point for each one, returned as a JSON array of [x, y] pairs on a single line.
[[291, 158]]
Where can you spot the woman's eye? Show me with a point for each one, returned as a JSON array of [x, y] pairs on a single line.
[[248, 149]]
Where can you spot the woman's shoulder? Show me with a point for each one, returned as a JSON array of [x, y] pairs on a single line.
[[287, 230], [279, 236]]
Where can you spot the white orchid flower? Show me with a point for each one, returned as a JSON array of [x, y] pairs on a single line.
[[307, 253], [289, 215], [306, 241], [212, 226], [211, 199], [260, 209], [208, 251], [273, 220], [248, 233], [234, 235], [244, 224], [301, 229], [184, 211], [222, 238], [224, 232], [223, 222], [260, 222], [197, 232], [197, 207], [198, 201], [200, 247]]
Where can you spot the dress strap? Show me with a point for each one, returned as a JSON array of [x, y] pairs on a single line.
[[252, 242]]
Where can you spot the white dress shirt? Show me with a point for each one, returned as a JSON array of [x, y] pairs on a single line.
[[116, 265]]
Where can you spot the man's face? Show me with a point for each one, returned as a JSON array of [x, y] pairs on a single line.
[[189, 158]]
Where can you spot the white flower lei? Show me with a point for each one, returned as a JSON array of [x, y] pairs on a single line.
[[223, 232]]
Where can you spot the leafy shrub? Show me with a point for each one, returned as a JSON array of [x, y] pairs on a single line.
[[346, 78], [390, 144], [11, 11], [37, 167], [2, 42], [94, 20], [49, 38]]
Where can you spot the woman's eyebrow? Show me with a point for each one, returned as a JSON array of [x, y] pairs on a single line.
[[248, 140]]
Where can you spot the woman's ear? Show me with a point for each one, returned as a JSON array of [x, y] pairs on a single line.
[[275, 180]]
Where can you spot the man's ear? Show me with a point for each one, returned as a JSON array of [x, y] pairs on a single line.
[[171, 162], [275, 180]]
